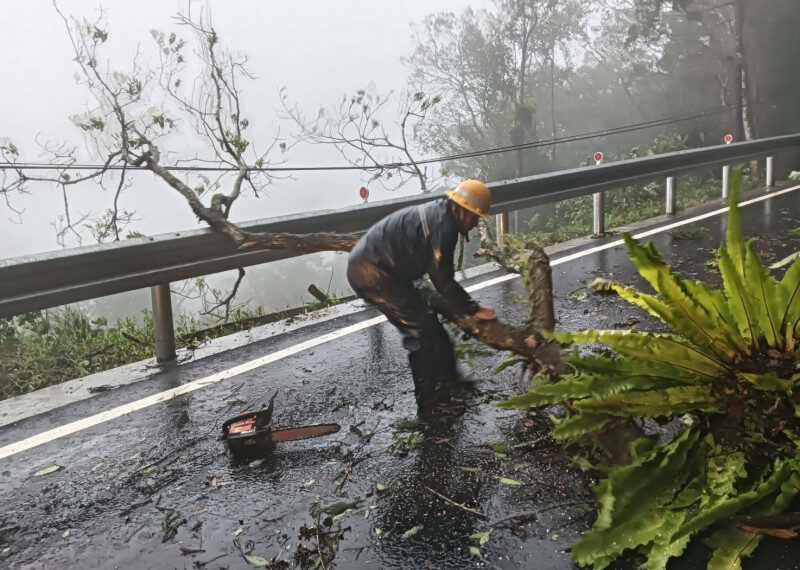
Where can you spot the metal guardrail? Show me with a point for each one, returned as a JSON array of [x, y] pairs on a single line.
[[46, 280]]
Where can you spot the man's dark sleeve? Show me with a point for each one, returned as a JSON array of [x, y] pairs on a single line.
[[442, 274]]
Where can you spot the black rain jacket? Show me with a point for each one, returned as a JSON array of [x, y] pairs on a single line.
[[414, 241]]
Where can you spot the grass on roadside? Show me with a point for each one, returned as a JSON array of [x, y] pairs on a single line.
[[50, 347], [573, 218]]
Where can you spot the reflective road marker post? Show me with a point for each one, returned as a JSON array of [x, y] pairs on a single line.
[[726, 170], [598, 205]]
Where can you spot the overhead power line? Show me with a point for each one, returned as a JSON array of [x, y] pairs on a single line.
[[390, 165]]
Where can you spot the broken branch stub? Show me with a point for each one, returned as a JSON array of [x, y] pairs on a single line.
[[529, 260], [502, 336]]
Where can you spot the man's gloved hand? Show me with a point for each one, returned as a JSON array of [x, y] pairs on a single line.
[[486, 314]]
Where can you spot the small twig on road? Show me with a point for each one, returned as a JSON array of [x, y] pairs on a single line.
[[233, 392], [197, 563], [516, 519], [358, 455], [136, 532], [319, 551], [127, 511], [190, 443], [239, 548], [459, 505], [570, 504], [577, 519], [533, 479]]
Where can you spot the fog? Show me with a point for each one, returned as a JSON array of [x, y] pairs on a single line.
[[585, 67], [317, 49]]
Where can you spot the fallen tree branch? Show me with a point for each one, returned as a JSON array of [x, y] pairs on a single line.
[[522, 340], [529, 260], [459, 505]]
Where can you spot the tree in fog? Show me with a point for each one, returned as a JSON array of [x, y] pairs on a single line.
[[488, 66]]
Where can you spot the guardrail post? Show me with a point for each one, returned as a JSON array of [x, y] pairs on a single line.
[[599, 204], [770, 182], [598, 213], [672, 206], [501, 221], [726, 178], [162, 323]]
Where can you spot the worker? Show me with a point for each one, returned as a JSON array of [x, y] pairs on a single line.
[[400, 249]]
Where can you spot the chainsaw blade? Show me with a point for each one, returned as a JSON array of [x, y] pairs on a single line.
[[305, 432]]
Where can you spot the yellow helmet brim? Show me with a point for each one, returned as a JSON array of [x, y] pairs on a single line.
[[467, 202]]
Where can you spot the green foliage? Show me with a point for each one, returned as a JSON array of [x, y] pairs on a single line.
[[467, 350], [49, 347], [402, 444], [573, 218], [729, 370]]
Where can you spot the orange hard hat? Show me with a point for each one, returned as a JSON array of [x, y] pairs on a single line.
[[472, 195]]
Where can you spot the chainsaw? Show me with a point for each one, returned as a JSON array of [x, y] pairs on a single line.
[[252, 432]]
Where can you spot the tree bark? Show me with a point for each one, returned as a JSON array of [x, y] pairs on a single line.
[[553, 102], [745, 126], [534, 267], [525, 341]]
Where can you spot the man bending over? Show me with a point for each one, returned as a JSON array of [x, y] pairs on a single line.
[[403, 247]]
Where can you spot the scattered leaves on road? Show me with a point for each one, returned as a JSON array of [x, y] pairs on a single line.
[[578, 295], [340, 507], [412, 531], [482, 537], [508, 481], [47, 470], [307, 484], [257, 561]]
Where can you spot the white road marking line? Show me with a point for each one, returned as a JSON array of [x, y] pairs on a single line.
[[615, 243], [113, 413], [85, 423]]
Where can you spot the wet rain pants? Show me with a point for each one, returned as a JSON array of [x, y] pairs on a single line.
[[430, 351]]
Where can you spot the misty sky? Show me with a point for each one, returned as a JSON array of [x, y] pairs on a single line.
[[318, 49]]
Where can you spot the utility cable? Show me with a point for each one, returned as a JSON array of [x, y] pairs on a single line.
[[391, 165]]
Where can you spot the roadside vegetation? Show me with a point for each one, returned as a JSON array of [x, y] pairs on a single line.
[[723, 383], [573, 218], [50, 347]]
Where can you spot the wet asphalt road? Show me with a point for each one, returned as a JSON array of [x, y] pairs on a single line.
[[122, 480]]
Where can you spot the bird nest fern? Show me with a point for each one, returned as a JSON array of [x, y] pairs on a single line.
[[729, 370]]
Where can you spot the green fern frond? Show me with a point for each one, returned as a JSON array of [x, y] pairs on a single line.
[[579, 425], [734, 239], [765, 294], [652, 403], [659, 348], [583, 386], [738, 297]]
